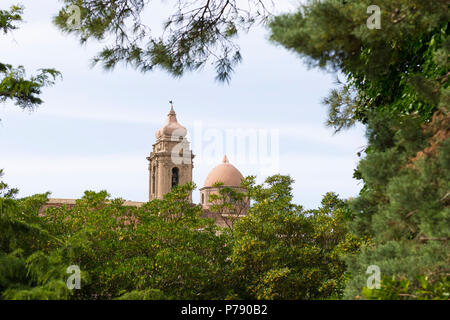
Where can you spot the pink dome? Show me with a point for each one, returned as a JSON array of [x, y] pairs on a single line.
[[225, 173], [172, 127]]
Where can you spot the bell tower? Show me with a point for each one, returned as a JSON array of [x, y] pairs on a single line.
[[170, 162]]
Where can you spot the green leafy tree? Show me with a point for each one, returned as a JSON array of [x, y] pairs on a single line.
[[281, 251], [162, 250], [399, 288], [27, 269], [229, 203]]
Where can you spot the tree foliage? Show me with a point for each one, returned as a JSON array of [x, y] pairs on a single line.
[[397, 85], [229, 203], [281, 251], [166, 250], [26, 272], [403, 206], [162, 250], [400, 68], [194, 33], [14, 85]]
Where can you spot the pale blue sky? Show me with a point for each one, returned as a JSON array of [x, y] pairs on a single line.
[[96, 128]]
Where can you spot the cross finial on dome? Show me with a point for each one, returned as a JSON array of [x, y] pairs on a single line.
[[225, 159]]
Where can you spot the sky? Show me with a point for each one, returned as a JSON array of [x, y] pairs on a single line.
[[96, 128]]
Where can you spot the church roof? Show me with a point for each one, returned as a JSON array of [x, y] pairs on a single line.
[[225, 173], [171, 127]]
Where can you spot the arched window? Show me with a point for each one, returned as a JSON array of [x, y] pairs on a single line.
[[203, 198], [175, 176], [154, 180]]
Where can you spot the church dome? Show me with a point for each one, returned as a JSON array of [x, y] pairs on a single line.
[[225, 173], [172, 127]]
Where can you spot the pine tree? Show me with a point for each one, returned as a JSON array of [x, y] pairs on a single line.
[[397, 85]]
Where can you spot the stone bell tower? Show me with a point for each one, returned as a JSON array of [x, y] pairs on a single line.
[[171, 159]]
